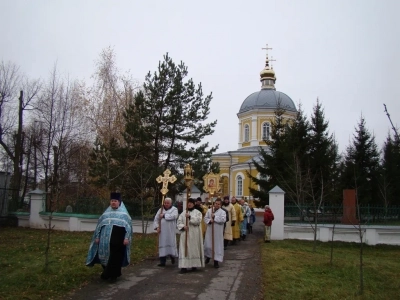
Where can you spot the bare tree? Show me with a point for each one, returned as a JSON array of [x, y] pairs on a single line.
[[361, 232], [317, 202], [396, 133], [105, 104], [146, 193], [59, 112], [108, 98], [384, 184], [17, 95], [295, 184], [301, 189]]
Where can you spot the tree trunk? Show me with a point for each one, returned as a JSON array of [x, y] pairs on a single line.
[[315, 229], [16, 181], [361, 264], [333, 233], [28, 161]]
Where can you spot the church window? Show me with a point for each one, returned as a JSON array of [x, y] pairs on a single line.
[[239, 186], [266, 131], [246, 133]]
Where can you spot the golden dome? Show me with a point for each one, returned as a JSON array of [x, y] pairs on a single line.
[[267, 76], [267, 72]]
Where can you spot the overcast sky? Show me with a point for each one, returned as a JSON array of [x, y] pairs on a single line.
[[346, 53]]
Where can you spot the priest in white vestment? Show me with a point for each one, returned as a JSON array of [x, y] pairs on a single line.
[[165, 225], [218, 218], [194, 257]]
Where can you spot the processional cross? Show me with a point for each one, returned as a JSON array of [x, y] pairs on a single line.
[[164, 190], [165, 180]]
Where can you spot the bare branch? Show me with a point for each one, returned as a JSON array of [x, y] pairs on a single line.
[[390, 120]]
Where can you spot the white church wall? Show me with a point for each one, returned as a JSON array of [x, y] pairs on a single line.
[[372, 235]]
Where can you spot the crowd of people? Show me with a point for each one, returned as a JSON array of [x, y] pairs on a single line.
[[206, 230]]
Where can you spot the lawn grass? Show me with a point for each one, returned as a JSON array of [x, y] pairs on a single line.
[[22, 261], [293, 271]]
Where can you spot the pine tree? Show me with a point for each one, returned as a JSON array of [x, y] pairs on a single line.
[[166, 123], [323, 157], [283, 162], [270, 157], [390, 173], [107, 166], [297, 144], [362, 166]]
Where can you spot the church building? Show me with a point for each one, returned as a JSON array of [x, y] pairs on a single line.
[[255, 117]]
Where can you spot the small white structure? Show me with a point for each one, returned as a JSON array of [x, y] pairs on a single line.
[[194, 193], [277, 205], [37, 206]]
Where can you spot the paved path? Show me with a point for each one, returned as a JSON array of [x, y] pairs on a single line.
[[239, 277]]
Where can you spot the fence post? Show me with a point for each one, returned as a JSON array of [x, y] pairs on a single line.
[[277, 205], [37, 205], [371, 236]]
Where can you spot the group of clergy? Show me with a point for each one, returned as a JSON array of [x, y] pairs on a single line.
[[205, 230], [217, 224]]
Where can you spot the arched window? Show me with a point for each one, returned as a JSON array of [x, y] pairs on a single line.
[[266, 131], [246, 133], [239, 186]]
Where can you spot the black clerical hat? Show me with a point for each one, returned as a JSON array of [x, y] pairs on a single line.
[[115, 196]]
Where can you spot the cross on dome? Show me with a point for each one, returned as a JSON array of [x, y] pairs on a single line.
[[267, 60]]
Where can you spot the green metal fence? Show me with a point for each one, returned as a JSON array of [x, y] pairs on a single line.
[[96, 206], [368, 214]]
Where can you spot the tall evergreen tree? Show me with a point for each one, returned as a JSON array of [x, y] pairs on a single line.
[[323, 157], [296, 147], [390, 173], [107, 165], [270, 157], [362, 165], [168, 120], [284, 161]]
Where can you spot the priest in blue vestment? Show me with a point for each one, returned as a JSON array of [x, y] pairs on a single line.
[[111, 240]]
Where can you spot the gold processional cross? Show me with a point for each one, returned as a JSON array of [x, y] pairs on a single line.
[[164, 190], [165, 180]]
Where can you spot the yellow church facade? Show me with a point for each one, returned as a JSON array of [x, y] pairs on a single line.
[[255, 115]]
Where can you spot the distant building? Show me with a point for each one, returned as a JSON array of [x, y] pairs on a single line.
[[180, 199], [194, 193], [255, 118]]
